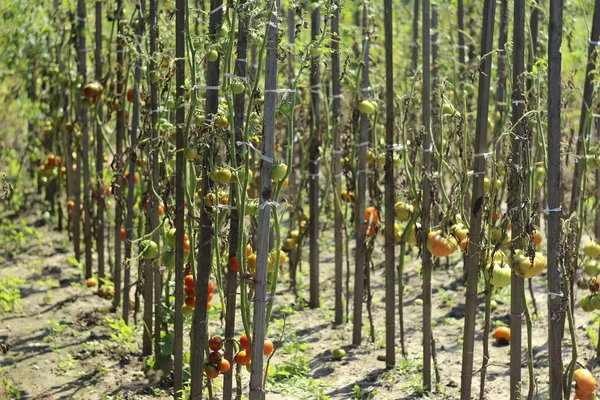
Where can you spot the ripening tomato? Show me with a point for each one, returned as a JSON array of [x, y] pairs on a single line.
[[502, 335], [366, 107], [243, 358], [268, 347], [214, 357], [441, 246], [215, 343], [211, 287], [210, 370], [233, 264], [224, 366], [123, 235], [190, 302], [189, 291], [189, 281], [252, 262], [584, 380], [403, 211], [244, 343], [187, 311], [130, 94]]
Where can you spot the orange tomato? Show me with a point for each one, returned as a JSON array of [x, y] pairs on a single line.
[[243, 358], [211, 287], [502, 335], [585, 380], [244, 342], [224, 366], [441, 246], [268, 347], [122, 234], [186, 246], [536, 237], [371, 221], [252, 262]]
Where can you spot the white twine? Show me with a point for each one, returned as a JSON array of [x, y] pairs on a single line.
[[269, 204], [593, 43], [280, 90], [228, 75], [226, 207], [243, 60], [517, 102], [262, 156], [555, 295], [313, 176], [337, 96], [362, 144], [214, 10], [395, 147], [464, 46], [484, 155], [548, 210], [366, 89], [429, 150], [205, 87]]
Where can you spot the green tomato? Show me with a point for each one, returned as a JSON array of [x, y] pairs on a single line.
[[148, 249], [278, 171], [154, 76], [168, 258], [237, 87], [212, 55], [366, 107], [223, 31], [190, 154], [591, 268], [448, 109], [170, 238], [500, 275], [586, 303], [286, 107], [338, 354]]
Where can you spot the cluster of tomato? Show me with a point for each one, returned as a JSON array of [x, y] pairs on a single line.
[[585, 385], [168, 255], [190, 299], [49, 167], [589, 279], [244, 356], [215, 364], [403, 213]]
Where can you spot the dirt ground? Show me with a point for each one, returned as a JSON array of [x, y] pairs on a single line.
[[60, 347]]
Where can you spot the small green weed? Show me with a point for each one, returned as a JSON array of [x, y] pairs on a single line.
[[10, 295]]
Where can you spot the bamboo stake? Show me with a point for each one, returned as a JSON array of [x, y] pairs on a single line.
[[427, 194], [264, 216], [474, 252], [180, 169], [337, 167]]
